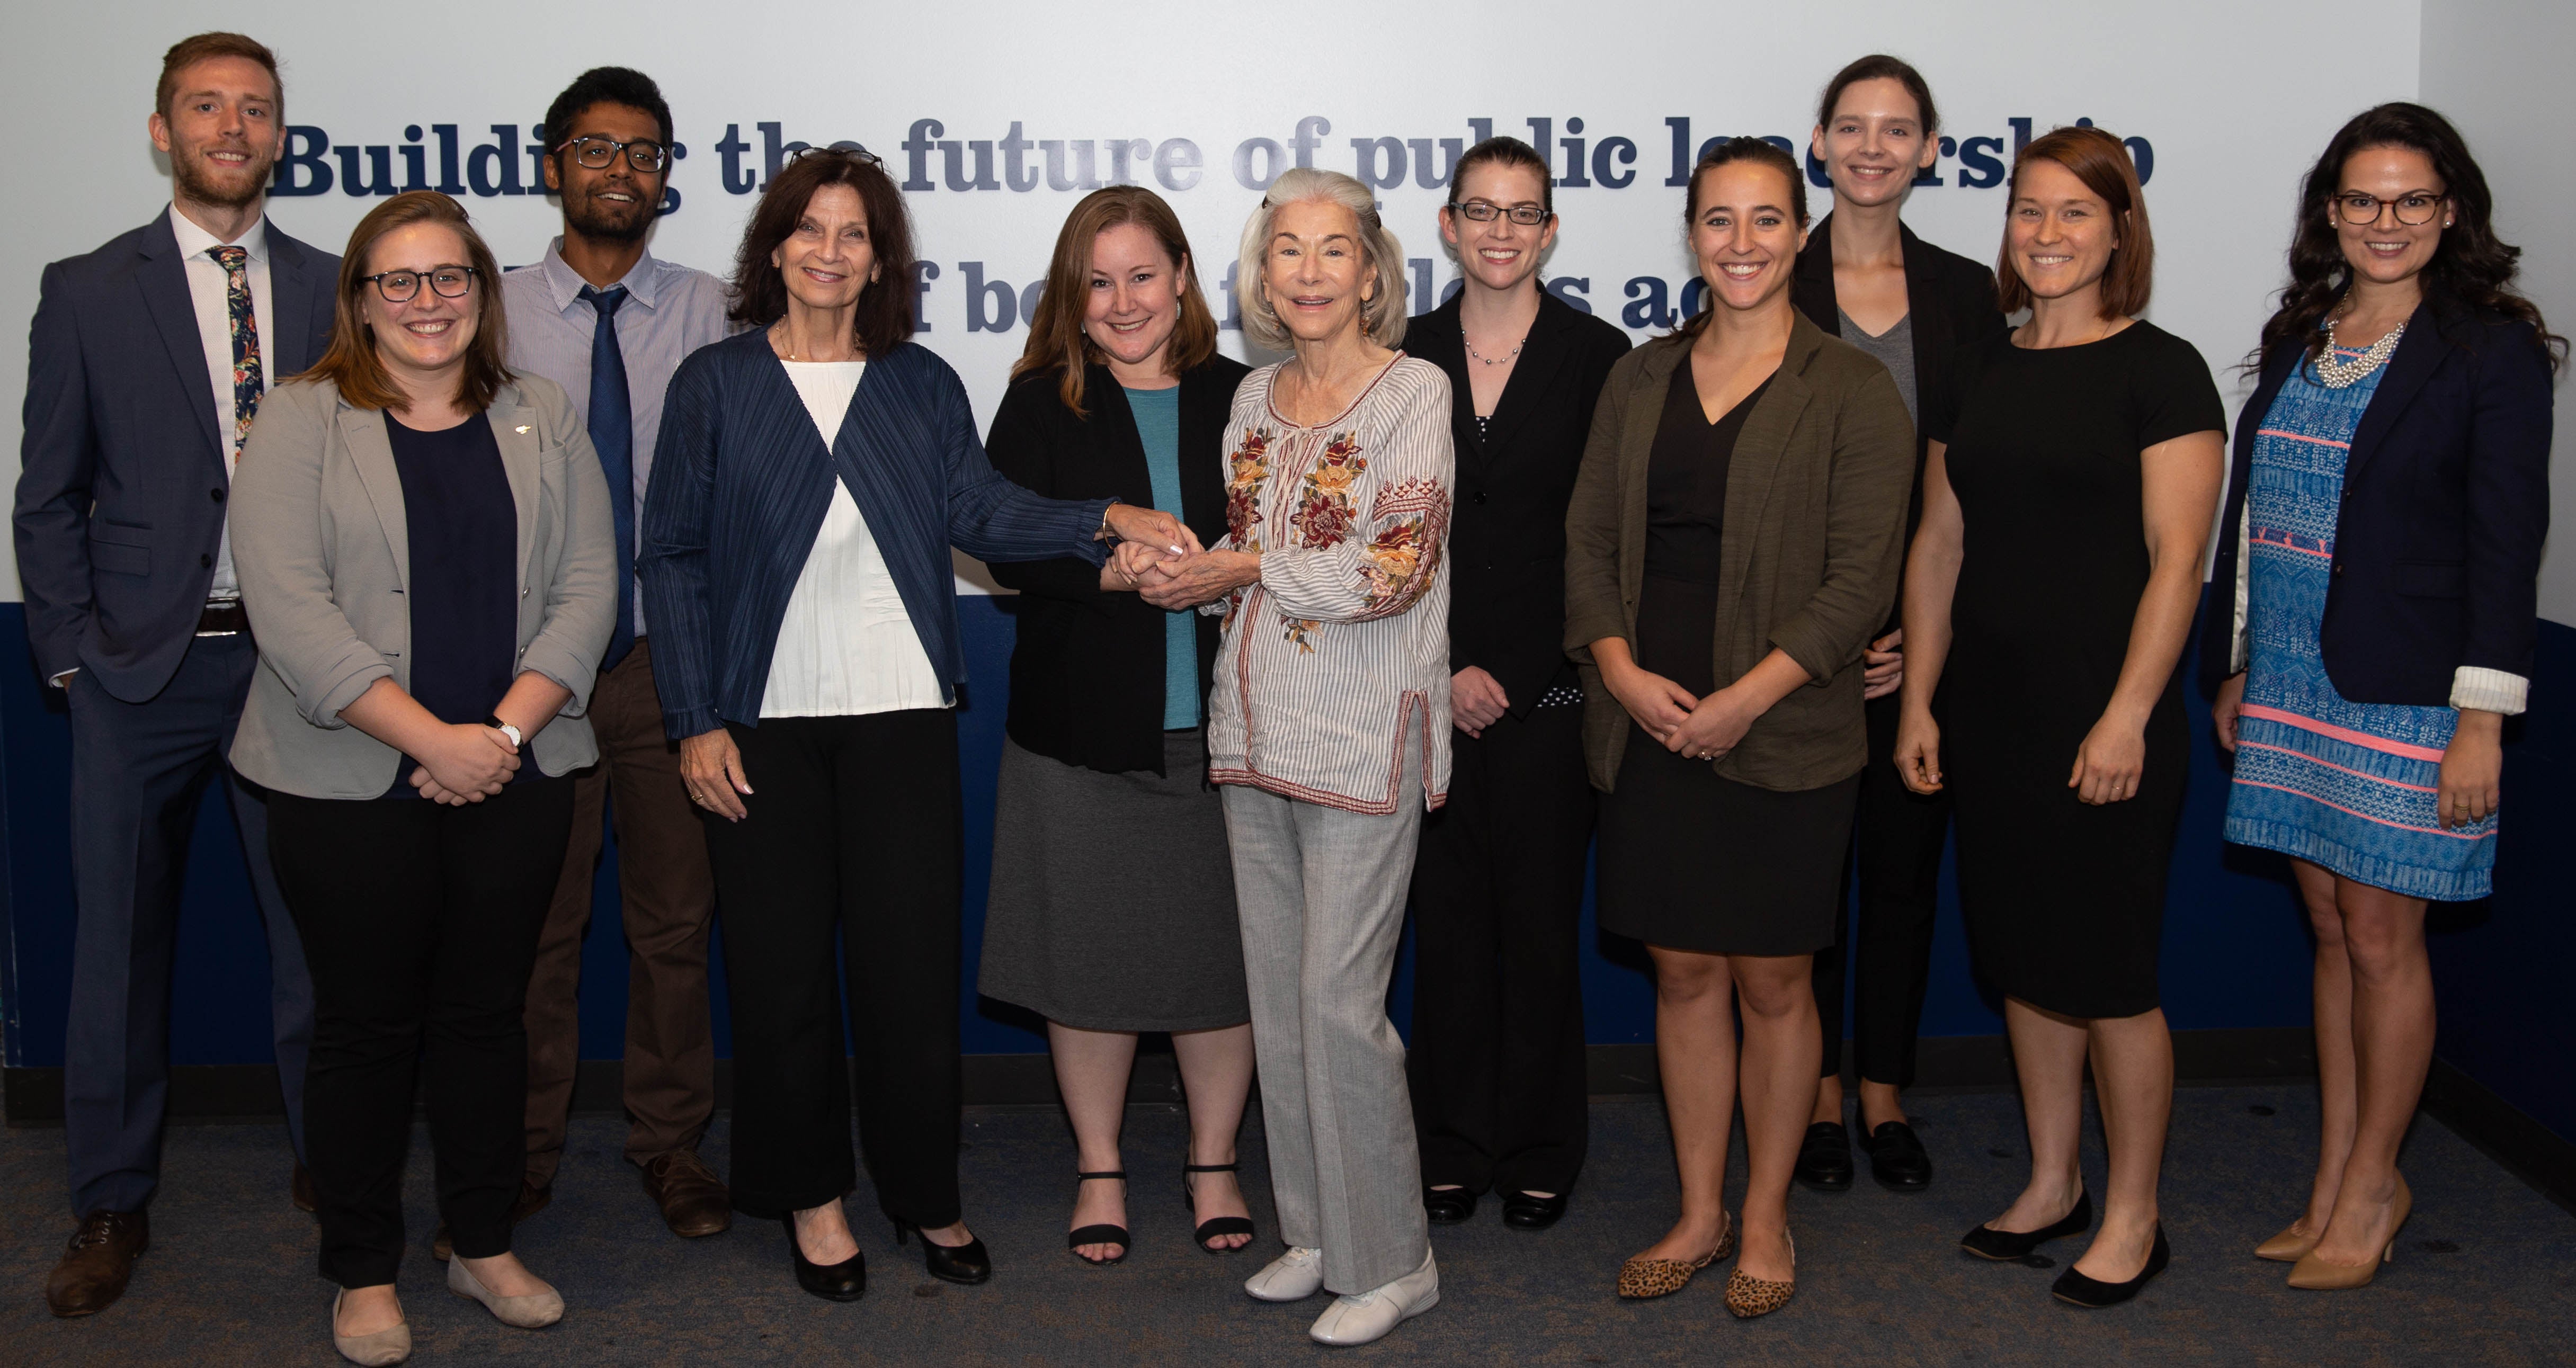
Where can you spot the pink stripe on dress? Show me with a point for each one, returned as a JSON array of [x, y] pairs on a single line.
[[2401, 826], [2300, 437], [2344, 734]]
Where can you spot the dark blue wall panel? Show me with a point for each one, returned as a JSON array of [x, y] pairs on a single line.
[[2235, 951]]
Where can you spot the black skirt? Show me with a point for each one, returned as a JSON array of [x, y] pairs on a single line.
[[1691, 860]]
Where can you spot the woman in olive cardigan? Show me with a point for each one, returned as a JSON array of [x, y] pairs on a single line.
[[1121, 394], [1731, 548]]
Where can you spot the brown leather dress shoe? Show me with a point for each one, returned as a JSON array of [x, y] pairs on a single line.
[[300, 1189], [693, 1200], [532, 1199], [97, 1262]]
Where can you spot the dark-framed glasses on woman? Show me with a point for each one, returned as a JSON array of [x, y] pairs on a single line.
[[597, 152], [400, 287], [2415, 208], [1483, 211]]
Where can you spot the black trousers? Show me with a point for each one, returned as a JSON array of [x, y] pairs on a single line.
[[420, 925], [1497, 1061], [855, 828], [1898, 836]]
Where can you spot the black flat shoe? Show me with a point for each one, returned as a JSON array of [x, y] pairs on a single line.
[[969, 1263], [1897, 1159], [1824, 1160], [1103, 1233], [845, 1281], [2008, 1246], [2075, 1289], [1527, 1211], [1215, 1226], [1448, 1206]]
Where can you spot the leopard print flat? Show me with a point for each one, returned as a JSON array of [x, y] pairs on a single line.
[[1642, 1278], [1748, 1296]]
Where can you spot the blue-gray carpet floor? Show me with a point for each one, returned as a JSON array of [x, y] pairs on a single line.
[[2485, 1273]]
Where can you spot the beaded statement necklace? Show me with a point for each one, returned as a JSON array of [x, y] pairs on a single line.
[[2345, 374]]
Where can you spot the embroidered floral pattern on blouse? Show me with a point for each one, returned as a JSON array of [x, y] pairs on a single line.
[[1323, 517], [1251, 466]]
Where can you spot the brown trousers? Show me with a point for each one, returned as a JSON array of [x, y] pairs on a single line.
[[669, 906]]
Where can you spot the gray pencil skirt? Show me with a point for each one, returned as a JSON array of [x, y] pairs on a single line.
[[1112, 905]]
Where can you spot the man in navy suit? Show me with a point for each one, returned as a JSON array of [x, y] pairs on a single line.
[[146, 362]]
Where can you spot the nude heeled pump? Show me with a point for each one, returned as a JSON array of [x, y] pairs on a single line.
[[2290, 1246], [2316, 1275]]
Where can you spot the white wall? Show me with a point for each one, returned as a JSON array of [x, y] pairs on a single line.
[[2201, 80], [2492, 65]]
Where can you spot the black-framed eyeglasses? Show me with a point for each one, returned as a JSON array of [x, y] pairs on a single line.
[[597, 152], [2415, 208], [1482, 211], [858, 150], [401, 287]]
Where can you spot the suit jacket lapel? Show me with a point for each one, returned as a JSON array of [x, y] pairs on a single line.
[[1439, 338], [514, 427], [1754, 467], [291, 289], [1637, 426], [1811, 285], [163, 278], [1542, 356], [2419, 353], [372, 452]]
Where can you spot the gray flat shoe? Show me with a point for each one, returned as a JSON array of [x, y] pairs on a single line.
[[535, 1311]]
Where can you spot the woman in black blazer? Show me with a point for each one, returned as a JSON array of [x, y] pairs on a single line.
[[1866, 278], [1121, 394], [2374, 616], [1496, 1066]]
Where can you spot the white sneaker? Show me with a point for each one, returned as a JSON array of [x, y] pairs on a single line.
[[1293, 1276], [1369, 1315]]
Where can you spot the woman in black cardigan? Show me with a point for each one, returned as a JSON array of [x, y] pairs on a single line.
[[1496, 1067], [1867, 279], [1121, 394]]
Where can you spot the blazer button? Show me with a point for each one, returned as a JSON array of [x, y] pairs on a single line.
[[2338, 570], [1480, 496], [205, 562], [216, 494]]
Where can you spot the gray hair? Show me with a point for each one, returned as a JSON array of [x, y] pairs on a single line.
[[1381, 316]]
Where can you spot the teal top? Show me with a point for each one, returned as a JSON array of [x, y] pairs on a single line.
[[1158, 422]]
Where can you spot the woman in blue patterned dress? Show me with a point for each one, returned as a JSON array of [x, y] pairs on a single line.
[[2387, 509]]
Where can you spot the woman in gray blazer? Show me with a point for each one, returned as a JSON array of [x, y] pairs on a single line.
[[427, 561], [1731, 547]]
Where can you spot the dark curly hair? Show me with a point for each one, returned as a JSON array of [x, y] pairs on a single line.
[[605, 85], [2469, 262]]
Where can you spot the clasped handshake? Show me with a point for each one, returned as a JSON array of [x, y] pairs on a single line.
[[1159, 559]]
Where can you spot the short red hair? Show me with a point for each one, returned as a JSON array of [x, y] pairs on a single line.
[[2102, 162]]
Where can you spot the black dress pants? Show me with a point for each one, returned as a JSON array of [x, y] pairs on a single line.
[[855, 829], [1898, 835], [1496, 1066], [420, 925]]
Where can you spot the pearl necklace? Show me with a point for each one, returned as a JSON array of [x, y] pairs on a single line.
[[2345, 374], [1498, 360]]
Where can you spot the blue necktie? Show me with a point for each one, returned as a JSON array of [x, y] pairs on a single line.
[[612, 435]]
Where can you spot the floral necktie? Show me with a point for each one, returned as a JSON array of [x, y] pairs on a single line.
[[247, 381]]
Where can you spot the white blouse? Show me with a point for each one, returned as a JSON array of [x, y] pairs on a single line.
[[846, 646]]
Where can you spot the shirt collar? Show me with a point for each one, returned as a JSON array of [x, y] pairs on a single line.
[[193, 240], [566, 284]]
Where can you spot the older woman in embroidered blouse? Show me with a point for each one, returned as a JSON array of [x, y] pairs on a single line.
[[1329, 727]]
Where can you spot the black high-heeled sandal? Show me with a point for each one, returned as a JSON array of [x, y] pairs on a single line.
[[1214, 1226], [845, 1281], [1102, 1233], [969, 1263]]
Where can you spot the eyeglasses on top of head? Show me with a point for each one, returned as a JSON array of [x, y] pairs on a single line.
[[2415, 208], [598, 152], [1483, 211], [858, 150], [401, 287]]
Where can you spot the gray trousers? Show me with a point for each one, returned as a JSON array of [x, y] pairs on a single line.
[[1322, 894]]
